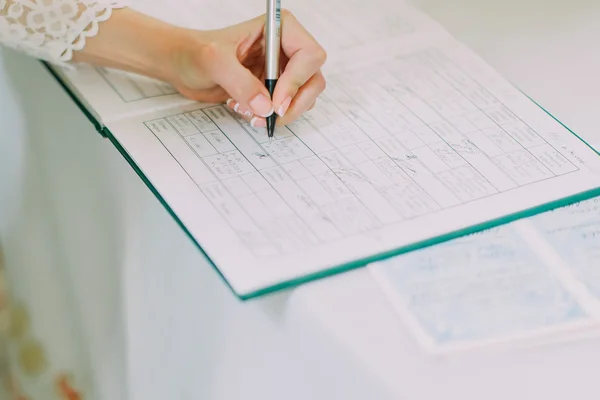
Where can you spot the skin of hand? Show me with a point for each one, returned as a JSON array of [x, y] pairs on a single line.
[[215, 66], [228, 64]]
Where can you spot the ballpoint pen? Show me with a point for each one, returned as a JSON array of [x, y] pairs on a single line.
[[272, 49]]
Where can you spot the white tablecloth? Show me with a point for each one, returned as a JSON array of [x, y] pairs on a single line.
[[151, 320]]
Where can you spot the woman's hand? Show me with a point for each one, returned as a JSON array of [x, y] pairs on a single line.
[[217, 65], [228, 65]]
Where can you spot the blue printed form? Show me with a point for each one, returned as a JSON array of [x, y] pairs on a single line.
[[487, 288], [574, 233]]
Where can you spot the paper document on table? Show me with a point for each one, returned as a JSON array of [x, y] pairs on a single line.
[[425, 144], [415, 141], [516, 284], [575, 236]]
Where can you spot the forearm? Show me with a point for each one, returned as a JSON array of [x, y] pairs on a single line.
[[133, 42], [56, 31]]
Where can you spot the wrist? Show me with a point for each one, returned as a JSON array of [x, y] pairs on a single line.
[[189, 56], [136, 43]]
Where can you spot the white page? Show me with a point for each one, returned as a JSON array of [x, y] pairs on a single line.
[[412, 139], [338, 25]]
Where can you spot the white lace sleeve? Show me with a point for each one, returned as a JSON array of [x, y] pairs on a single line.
[[52, 29]]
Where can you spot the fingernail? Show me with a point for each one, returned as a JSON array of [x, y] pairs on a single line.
[[284, 107], [244, 112], [228, 102], [258, 122], [262, 105]]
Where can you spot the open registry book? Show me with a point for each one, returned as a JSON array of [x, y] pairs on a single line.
[[415, 141], [534, 281]]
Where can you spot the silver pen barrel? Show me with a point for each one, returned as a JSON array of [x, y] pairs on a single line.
[[273, 39]]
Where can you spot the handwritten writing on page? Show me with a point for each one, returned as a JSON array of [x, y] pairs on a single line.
[[424, 141], [414, 138]]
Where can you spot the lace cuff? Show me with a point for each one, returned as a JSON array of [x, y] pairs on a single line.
[[52, 29]]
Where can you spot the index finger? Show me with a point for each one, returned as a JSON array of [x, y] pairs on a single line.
[[305, 55]]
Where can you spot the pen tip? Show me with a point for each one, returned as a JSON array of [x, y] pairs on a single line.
[[271, 126]]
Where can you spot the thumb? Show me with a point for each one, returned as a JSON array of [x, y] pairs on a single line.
[[241, 84]]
